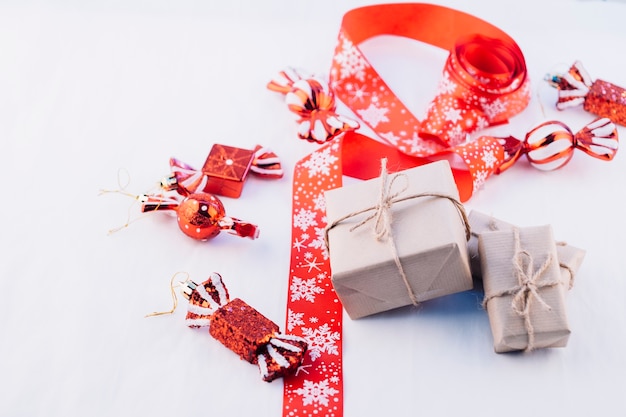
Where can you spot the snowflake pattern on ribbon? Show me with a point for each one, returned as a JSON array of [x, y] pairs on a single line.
[[350, 60], [313, 309], [455, 112], [370, 98], [319, 393], [482, 157]]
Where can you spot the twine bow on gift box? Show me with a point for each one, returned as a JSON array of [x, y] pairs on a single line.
[[382, 217], [527, 289]]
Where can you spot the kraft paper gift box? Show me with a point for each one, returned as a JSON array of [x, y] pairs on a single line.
[[570, 257], [524, 291], [429, 234]]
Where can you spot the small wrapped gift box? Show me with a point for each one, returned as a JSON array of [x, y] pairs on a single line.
[[226, 168], [524, 292], [421, 252], [570, 257]]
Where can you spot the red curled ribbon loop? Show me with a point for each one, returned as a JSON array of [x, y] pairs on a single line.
[[484, 81], [314, 103], [551, 145], [481, 87]]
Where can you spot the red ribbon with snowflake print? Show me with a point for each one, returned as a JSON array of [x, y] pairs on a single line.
[[313, 309], [484, 83]]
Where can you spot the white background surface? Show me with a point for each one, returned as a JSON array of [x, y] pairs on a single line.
[[88, 88]]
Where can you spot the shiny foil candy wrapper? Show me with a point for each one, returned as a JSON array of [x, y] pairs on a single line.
[[312, 100], [224, 172], [551, 145], [242, 329], [599, 97], [200, 216]]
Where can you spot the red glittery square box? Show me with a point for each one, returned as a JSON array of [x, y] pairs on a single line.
[[607, 100], [242, 329], [226, 168]]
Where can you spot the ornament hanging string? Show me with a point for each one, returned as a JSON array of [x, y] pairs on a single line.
[[174, 297]]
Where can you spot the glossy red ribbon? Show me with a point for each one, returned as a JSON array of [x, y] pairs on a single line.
[[313, 309], [484, 84]]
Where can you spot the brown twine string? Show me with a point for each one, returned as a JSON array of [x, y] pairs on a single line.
[[122, 190], [174, 298], [572, 275], [527, 289], [382, 217]]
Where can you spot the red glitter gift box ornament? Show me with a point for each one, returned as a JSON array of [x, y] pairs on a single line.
[[242, 329], [224, 171], [201, 216], [599, 97]]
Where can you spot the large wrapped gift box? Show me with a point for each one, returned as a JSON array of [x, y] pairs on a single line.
[[429, 235], [570, 257], [524, 292]]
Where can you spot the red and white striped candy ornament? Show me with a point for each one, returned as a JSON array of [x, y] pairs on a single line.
[[313, 101], [201, 216], [551, 145], [266, 163]]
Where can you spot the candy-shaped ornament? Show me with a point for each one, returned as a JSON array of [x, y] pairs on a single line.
[[200, 215], [242, 329], [312, 100], [551, 145], [600, 97], [224, 171]]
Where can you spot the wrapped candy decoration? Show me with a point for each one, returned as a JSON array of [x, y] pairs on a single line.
[[224, 171], [551, 145], [201, 216], [242, 329], [599, 97], [313, 101]]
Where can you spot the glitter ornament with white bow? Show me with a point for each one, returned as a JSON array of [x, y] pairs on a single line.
[[599, 97], [242, 329]]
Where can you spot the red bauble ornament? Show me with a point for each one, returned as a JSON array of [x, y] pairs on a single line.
[[201, 216]]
